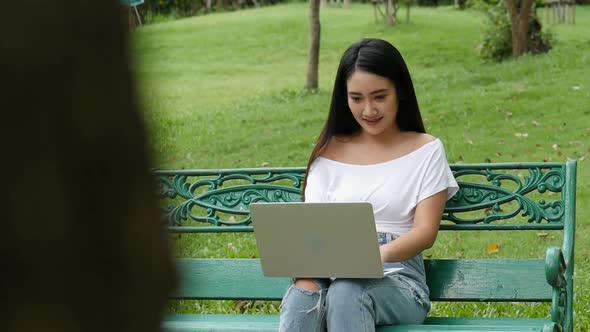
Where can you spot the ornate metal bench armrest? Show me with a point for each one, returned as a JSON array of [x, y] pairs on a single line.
[[555, 268]]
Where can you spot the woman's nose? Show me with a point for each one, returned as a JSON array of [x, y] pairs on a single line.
[[369, 109]]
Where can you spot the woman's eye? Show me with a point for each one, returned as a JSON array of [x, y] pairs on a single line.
[[355, 99], [380, 97]]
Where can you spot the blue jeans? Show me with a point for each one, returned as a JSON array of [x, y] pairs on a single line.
[[356, 305]]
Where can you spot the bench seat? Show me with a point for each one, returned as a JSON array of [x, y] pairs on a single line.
[[448, 280], [239, 322]]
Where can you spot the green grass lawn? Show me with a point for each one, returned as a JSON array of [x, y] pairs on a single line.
[[225, 90]]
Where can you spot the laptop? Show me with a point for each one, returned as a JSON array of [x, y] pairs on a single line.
[[318, 240]]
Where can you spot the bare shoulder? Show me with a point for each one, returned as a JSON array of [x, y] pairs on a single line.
[[416, 140], [336, 147]]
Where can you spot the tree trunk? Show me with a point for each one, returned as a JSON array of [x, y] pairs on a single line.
[[346, 3], [390, 13], [314, 45], [519, 19]]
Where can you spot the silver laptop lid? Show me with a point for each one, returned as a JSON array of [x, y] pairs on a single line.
[[336, 240]]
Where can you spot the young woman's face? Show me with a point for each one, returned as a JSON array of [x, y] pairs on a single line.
[[373, 102]]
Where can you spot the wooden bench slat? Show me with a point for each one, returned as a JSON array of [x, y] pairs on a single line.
[[194, 323], [473, 328], [227, 279], [486, 321], [184, 323], [448, 279], [488, 280]]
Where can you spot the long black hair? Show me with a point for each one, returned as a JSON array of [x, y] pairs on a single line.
[[377, 57]]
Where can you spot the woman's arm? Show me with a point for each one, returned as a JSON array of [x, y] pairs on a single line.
[[423, 233]]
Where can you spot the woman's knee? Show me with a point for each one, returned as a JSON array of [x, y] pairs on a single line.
[[344, 291], [307, 284]]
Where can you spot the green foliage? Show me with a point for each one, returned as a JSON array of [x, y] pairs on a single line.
[[482, 5], [477, 3], [539, 41], [225, 91], [434, 3], [153, 10], [151, 17], [497, 37]]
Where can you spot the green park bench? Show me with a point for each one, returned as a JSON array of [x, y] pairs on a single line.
[[507, 197]]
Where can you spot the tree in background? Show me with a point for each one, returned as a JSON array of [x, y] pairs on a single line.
[[520, 19], [314, 45], [391, 9], [503, 36]]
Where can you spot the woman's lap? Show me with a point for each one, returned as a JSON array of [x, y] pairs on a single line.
[[352, 304]]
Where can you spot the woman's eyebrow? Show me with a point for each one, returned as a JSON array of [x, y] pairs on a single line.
[[371, 93], [378, 91]]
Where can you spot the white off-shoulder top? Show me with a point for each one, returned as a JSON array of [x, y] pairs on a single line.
[[394, 187]]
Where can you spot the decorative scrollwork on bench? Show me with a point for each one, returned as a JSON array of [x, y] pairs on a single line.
[[202, 195], [492, 190], [487, 195]]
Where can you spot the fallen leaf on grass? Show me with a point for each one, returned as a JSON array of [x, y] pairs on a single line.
[[521, 134], [242, 304], [264, 164], [535, 123], [493, 248], [555, 146], [490, 210], [542, 235]]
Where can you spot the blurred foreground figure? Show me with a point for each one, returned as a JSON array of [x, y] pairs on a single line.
[[82, 245]]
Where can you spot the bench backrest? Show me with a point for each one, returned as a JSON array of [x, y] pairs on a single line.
[[507, 196]]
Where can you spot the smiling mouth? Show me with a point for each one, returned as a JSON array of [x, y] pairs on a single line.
[[372, 122]]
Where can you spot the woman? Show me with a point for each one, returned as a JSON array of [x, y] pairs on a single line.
[[374, 148]]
